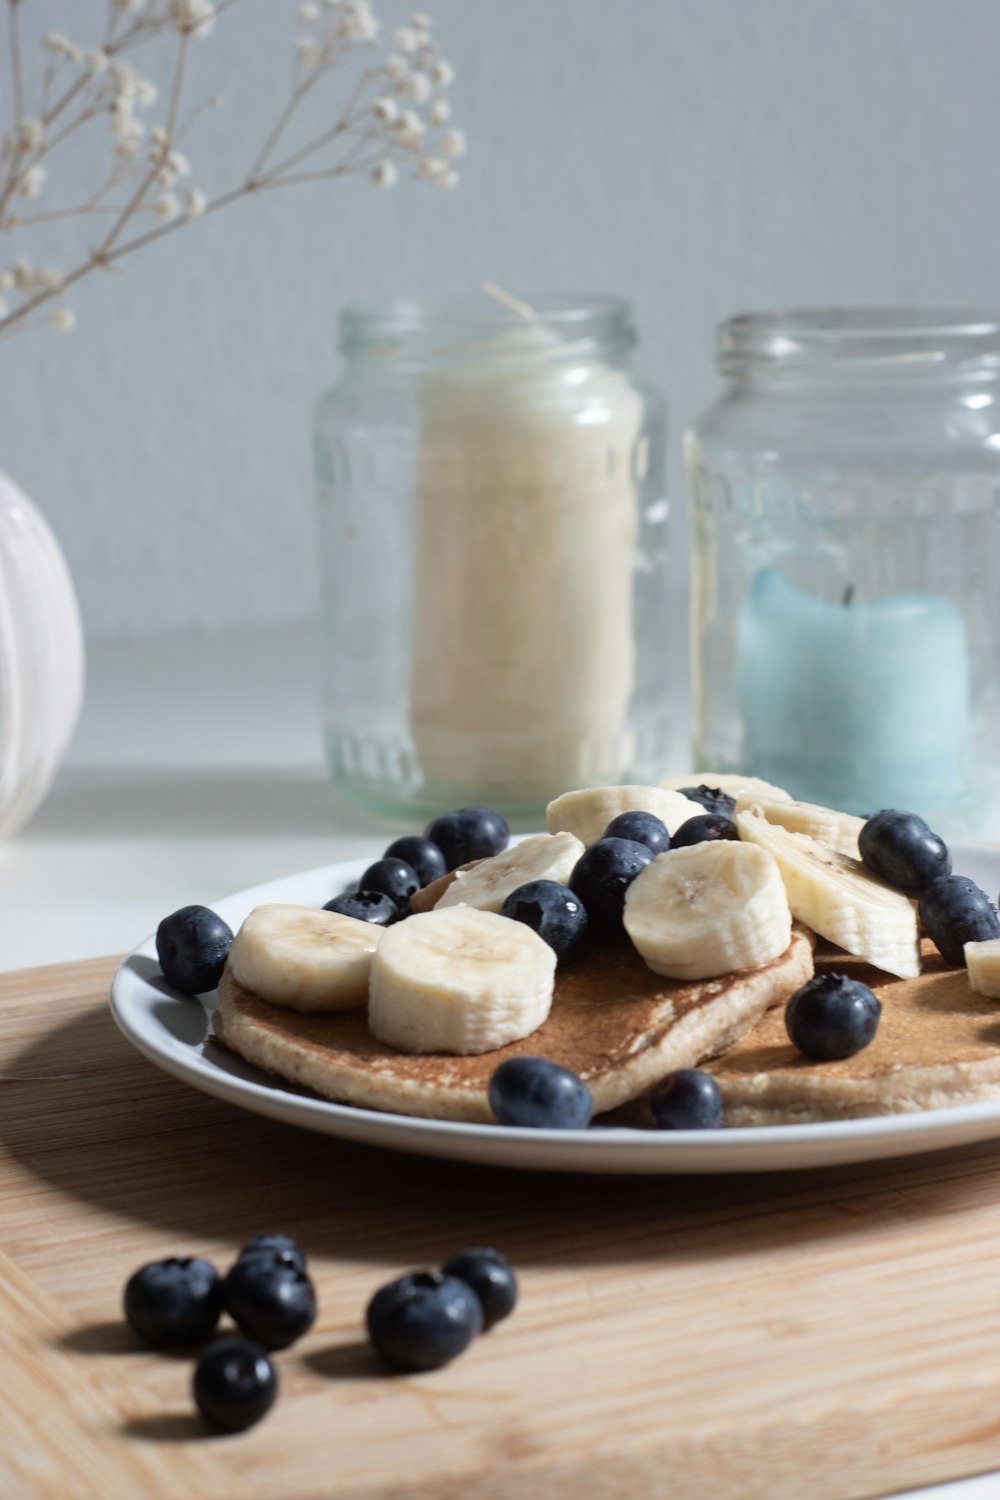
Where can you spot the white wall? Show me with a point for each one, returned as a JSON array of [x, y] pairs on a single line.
[[700, 156]]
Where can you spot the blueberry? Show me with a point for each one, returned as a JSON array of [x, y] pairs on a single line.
[[539, 1095], [288, 1250], [642, 828], [832, 1016], [421, 855], [955, 911], [702, 829], [235, 1384], [192, 945], [553, 911], [604, 873], [490, 1277], [393, 878], [365, 906], [469, 833], [174, 1301], [712, 798], [271, 1301], [423, 1320], [687, 1100], [900, 849]]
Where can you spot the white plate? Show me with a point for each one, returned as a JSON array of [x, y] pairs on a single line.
[[173, 1032]]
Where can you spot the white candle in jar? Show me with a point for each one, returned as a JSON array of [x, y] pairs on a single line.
[[523, 651]]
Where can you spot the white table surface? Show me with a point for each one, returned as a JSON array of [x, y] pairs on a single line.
[[196, 771]]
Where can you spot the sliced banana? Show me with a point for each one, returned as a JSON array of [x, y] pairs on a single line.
[[461, 981], [983, 963], [835, 829], [707, 910], [588, 811], [486, 886], [428, 898], [304, 959], [732, 785], [837, 897]]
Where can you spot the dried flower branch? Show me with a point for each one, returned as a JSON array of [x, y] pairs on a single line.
[[391, 123]]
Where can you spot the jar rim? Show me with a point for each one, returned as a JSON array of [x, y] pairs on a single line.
[[898, 336], [456, 322]]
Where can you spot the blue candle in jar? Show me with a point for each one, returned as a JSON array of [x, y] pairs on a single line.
[[858, 705]]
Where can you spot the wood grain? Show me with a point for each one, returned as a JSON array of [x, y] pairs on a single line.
[[825, 1335]]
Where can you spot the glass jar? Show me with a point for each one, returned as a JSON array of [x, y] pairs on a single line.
[[493, 517], [845, 498]]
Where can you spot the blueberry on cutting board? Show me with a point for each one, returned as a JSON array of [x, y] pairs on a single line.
[[234, 1384], [423, 1320], [490, 1277], [270, 1300], [281, 1246], [174, 1301]]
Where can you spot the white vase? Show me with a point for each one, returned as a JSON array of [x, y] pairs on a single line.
[[41, 657]]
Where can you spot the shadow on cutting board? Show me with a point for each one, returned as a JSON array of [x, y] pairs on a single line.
[[94, 1120]]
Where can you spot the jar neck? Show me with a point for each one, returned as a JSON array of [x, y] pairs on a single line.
[[451, 333], [811, 348]]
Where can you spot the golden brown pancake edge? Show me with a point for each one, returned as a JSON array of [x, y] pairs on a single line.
[[613, 1021]]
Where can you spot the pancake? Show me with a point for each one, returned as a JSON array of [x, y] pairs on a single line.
[[937, 1044], [613, 1021]]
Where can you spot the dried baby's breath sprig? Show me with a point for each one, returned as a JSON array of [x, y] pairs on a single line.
[[388, 126], [384, 174]]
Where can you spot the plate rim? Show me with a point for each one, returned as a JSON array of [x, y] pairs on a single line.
[[421, 1135]]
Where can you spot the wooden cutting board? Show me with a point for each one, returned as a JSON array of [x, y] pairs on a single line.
[[806, 1335]]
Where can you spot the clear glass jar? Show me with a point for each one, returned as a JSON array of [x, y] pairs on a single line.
[[845, 498], [493, 552]]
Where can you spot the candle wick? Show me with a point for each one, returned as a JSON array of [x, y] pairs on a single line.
[[848, 594], [512, 303]]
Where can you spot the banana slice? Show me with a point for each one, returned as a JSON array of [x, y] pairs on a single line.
[[588, 811], [304, 959], [428, 898], [461, 981], [707, 910], [835, 896], [983, 963], [732, 785], [835, 829], [486, 886]]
